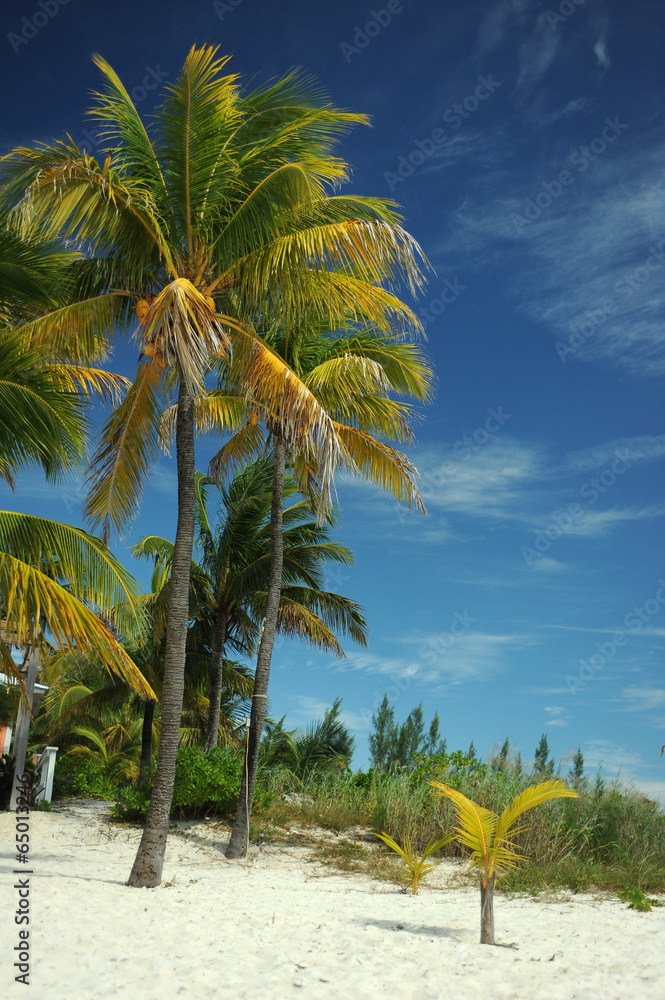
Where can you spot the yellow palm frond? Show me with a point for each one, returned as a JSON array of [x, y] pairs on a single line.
[[187, 329], [288, 404], [530, 797], [28, 595], [476, 828], [247, 443], [91, 381], [215, 411], [297, 621], [349, 375], [391, 470]]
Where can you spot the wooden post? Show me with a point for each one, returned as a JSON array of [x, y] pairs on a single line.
[[23, 720], [487, 910]]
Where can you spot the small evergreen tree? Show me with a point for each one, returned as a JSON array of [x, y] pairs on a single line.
[[383, 739], [541, 765], [410, 737], [434, 744], [577, 770], [471, 752]]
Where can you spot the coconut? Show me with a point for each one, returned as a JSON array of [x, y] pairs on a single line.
[[142, 309]]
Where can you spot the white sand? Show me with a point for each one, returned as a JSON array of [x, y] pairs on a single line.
[[277, 926]]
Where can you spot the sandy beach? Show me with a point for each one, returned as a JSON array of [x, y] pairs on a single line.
[[277, 926]]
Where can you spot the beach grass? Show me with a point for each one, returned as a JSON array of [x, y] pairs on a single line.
[[609, 837]]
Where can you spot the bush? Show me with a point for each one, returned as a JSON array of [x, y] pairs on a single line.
[[205, 785], [81, 779]]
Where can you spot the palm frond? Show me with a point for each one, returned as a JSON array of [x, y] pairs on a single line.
[[130, 441], [380, 464]]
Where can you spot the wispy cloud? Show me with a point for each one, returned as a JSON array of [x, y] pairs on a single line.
[[313, 709], [590, 253], [537, 54], [642, 448], [473, 655], [556, 715], [600, 47], [497, 24]]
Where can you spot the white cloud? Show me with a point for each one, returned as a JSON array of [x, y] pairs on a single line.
[[599, 523], [498, 23], [440, 658], [556, 715], [595, 242], [611, 756], [636, 699], [537, 54], [487, 479], [313, 709], [600, 47], [642, 448], [615, 759]]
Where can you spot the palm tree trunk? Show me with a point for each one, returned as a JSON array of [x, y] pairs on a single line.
[[216, 676], [240, 833], [146, 741], [147, 869], [487, 911]]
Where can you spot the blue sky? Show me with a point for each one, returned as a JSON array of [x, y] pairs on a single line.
[[525, 144]]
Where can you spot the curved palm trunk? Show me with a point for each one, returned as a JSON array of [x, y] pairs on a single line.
[[147, 869], [146, 741], [216, 677], [240, 832], [487, 911]]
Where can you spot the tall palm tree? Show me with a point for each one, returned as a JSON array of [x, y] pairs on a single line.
[[351, 373], [234, 563], [218, 211]]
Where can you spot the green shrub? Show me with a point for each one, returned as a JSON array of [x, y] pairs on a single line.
[[83, 779], [205, 785]]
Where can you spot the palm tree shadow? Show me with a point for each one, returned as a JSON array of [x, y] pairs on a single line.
[[408, 928]]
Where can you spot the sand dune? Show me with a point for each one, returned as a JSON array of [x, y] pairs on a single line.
[[277, 926]]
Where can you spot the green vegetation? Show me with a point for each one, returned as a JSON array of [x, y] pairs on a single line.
[[417, 867], [637, 900]]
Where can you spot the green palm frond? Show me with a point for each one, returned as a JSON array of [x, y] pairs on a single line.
[[42, 421], [130, 442]]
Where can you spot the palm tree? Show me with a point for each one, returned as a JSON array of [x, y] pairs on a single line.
[[234, 570], [53, 577], [323, 747], [351, 374], [217, 212], [489, 838]]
